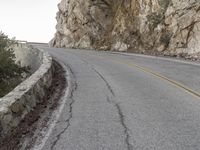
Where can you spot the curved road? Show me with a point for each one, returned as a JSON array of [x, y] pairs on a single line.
[[128, 102]]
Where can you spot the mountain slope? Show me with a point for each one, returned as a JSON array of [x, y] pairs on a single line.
[[145, 26]]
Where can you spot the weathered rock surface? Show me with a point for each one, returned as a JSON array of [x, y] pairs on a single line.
[[150, 26]]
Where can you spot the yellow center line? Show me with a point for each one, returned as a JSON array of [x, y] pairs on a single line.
[[156, 74]]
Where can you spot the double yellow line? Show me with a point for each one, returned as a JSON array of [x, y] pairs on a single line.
[[157, 75]]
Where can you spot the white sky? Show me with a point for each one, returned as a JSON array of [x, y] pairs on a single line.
[[30, 20]]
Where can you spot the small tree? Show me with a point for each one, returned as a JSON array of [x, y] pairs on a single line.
[[10, 73]]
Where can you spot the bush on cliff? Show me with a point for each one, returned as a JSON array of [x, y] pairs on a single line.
[[10, 73]]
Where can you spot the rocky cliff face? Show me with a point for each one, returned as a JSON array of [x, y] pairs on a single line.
[[145, 26]]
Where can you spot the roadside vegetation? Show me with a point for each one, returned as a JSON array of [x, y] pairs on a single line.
[[10, 73]]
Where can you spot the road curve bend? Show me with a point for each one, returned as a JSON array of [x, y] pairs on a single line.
[[128, 102]]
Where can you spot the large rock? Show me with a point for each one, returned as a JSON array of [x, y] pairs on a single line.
[[153, 26]]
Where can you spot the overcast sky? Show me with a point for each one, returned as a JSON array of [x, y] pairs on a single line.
[[31, 20]]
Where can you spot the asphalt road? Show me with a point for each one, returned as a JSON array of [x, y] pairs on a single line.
[[128, 102]]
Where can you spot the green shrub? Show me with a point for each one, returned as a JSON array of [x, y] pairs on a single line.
[[164, 4], [10, 73], [165, 39], [155, 19]]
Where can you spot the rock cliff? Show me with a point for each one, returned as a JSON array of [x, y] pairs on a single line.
[[170, 27]]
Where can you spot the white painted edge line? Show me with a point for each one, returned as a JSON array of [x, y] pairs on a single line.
[[55, 117]]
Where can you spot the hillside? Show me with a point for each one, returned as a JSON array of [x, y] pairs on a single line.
[[169, 27]]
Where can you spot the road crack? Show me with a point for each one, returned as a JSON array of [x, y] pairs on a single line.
[[106, 82], [116, 105], [101, 76], [74, 88], [122, 121]]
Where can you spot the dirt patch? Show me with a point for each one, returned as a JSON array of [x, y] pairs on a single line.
[[37, 118]]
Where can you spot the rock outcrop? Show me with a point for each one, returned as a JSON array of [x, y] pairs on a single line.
[[170, 27]]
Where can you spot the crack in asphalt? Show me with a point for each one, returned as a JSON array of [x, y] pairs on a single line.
[[74, 88], [106, 82], [122, 121], [117, 105], [101, 76]]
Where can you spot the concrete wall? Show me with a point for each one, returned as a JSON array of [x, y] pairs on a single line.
[[25, 97]]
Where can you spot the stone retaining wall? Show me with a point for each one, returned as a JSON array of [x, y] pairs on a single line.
[[24, 98]]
